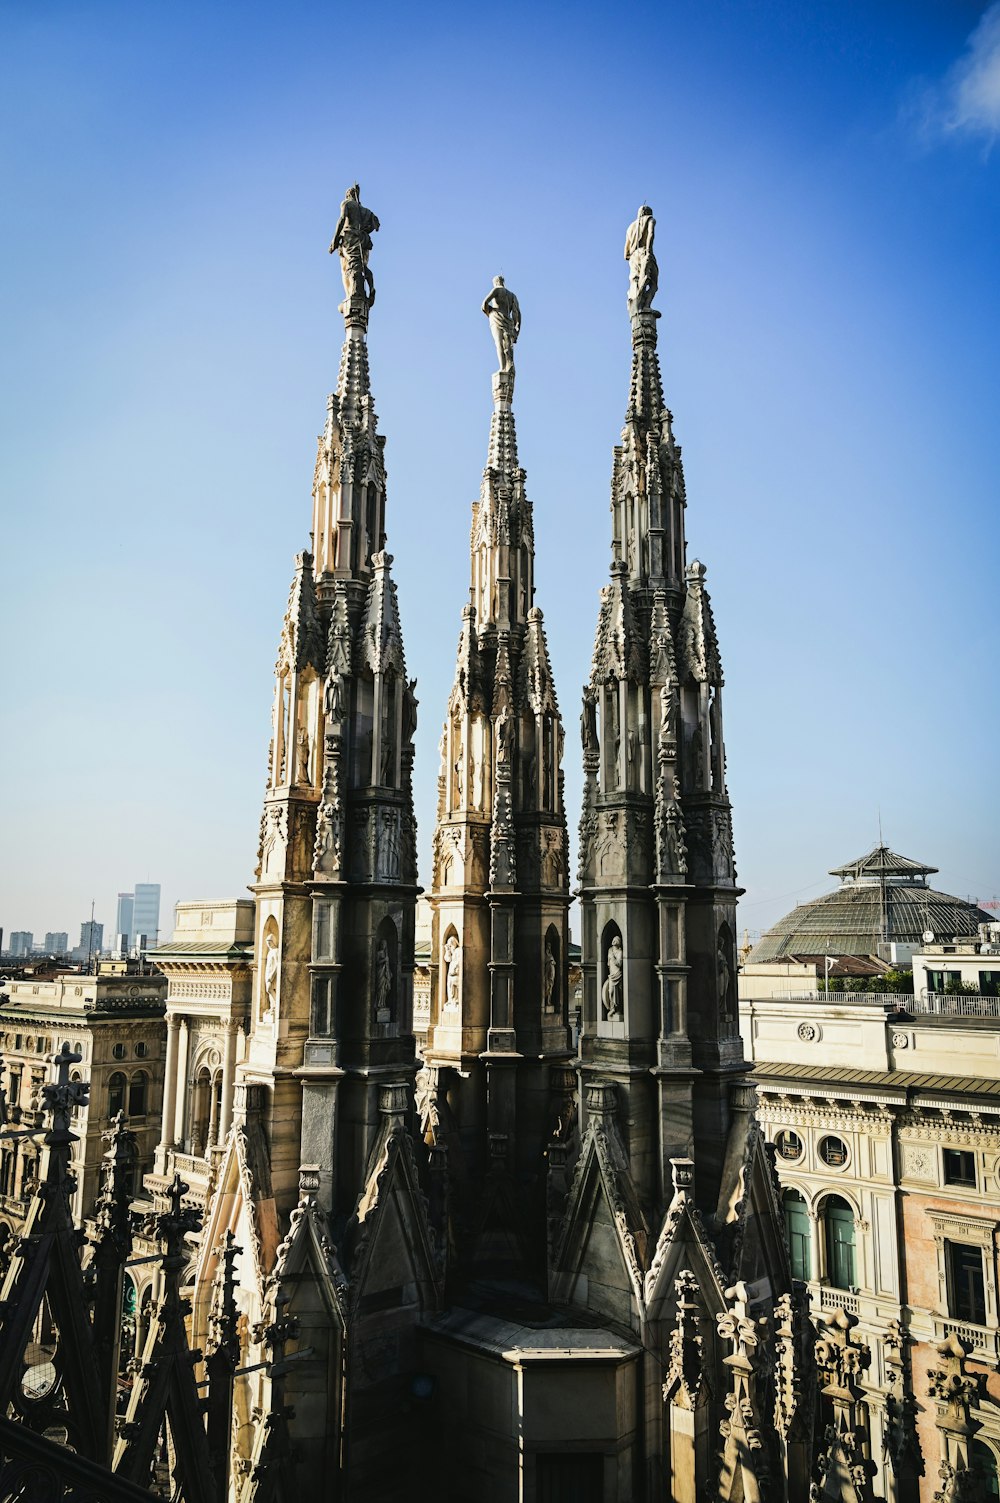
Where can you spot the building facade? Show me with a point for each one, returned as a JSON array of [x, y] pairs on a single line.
[[116, 1023], [884, 1113], [209, 968], [146, 914]]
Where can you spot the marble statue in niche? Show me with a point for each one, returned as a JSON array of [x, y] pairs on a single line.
[[611, 992], [453, 972]]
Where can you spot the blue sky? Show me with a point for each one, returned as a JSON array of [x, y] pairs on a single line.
[[826, 182]]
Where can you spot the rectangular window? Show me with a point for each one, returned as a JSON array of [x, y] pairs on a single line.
[[989, 983], [966, 1287], [959, 1167], [939, 981]]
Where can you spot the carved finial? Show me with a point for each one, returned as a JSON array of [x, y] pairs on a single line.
[[62, 1095]]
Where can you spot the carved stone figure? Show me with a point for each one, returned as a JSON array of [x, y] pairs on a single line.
[[611, 992], [667, 731], [456, 778], [503, 737], [388, 850], [504, 313], [725, 977], [643, 272], [383, 982], [302, 748], [410, 702], [271, 972], [333, 697], [352, 239], [453, 972], [550, 974], [588, 724]]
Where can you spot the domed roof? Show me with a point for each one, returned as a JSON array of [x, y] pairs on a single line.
[[882, 896]]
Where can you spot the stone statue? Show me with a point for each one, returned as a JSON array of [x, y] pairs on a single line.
[[333, 698], [667, 712], [410, 702], [643, 272], [588, 724], [725, 976], [353, 240], [550, 974], [504, 313], [383, 981], [453, 972], [611, 992], [302, 745], [503, 736], [271, 972]]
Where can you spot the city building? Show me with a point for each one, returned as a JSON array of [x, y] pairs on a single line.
[[116, 1024], [882, 908], [884, 1113], [123, 920], [209, 966], [22, 943], [57, 942], [91, 940], [145, 915]]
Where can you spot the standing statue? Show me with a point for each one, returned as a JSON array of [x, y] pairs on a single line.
[[302, 745], [611, 992], [383, 982], [504, 313], [353, 240], [453, 972], [410, 703], [271, 972], [550, 973], [643, 272]]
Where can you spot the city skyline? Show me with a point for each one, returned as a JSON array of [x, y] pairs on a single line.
[[823, 188]]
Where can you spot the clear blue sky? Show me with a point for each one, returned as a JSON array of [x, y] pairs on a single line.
[[826, 182]]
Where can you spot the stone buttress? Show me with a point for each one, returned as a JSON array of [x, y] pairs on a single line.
[[498, 1044], [319, 1184]]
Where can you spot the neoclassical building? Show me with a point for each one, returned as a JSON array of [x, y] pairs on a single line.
[[884, 1113]]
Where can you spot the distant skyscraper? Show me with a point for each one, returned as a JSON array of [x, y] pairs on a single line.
[[56, 942], [91, 938], [21, 943], [123, 918], [146, 912]]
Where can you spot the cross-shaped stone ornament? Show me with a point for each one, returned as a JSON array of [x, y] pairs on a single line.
[[62, 1095]]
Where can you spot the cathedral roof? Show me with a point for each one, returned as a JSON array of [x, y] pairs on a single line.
[[882, 896]]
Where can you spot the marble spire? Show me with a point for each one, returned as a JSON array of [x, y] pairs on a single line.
[[500, 892]]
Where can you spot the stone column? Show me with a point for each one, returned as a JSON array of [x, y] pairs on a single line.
[[228, 1073], [169, 1094], [213, 1116], [181, 1079]]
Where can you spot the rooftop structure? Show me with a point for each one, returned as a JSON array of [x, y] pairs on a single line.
[[883, 900]]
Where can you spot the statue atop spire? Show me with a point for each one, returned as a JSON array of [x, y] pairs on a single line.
[[353, 240], [504, 313], [643, 272]]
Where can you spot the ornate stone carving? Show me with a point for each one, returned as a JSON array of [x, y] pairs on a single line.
[[808, 1032]]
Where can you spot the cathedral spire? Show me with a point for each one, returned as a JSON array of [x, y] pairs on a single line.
[[349, 479], [656, 865], [500, 896], [647, 487], [503, 542]]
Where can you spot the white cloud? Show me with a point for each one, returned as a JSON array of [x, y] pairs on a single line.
[[969, 100]]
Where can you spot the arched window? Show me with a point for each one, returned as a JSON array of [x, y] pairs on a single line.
[[138, 1092], [797, 1234], [838, 1220], [984, 1469], [117, 1087]]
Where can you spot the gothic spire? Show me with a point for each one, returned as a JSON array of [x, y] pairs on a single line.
[[647, 486], [349, 479]]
